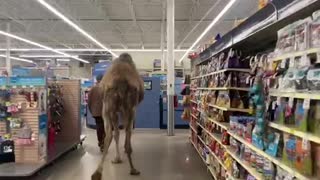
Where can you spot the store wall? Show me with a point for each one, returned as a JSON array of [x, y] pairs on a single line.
[[144, 60]]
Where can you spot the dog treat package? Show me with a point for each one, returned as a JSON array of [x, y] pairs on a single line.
[[316, 161], [289, 149], [273, 144], [313, 79], [301, 34], [286, 40], [301, 116], [223, 99], [315, 30], [287, 83], [301, 83], [279, 114], [268, 170], [283, 175], [314, 117], [303, 161]]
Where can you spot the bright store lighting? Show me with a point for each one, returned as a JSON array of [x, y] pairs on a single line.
[[225, 9], [41, 46], [95, 50], [17, 59], [45, 56], [63, 60], [68, 21]]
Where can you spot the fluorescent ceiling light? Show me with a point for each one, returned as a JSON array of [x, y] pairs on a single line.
[[40, 45], [68, 21], [225, 9], [17, 59], [95, 50], [45, 56], [63, 60]]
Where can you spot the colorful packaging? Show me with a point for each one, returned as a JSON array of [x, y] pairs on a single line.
[[301, 116], [273, 145], [315, 30], [303, 162], [317, 160], [313, 79], [314, 117], [301, 34], [268, 170], [289, 150]]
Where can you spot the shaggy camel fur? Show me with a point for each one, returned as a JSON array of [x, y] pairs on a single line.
[[123, 90]]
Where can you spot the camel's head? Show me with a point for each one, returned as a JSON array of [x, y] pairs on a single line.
[[126, 58]]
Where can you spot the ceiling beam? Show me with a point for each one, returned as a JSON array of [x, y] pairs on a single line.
[[199, 22], [106, 19], [134, 18]]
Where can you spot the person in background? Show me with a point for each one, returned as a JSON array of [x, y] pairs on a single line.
[[95, 104]]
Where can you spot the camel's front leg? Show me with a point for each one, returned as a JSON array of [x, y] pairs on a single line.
[[97, 175]]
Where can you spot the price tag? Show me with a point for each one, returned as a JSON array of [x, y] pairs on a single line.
[[24, 86], [248, 80], [8, 103], [304, 60], [306, 104], [14, 87], [278, 101], [274, 103], [305, 144], [290, 103], [291, 62], [283, 64]]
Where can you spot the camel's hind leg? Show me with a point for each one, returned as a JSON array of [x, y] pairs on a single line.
[[116, 136], [128, 118], [109, 116]]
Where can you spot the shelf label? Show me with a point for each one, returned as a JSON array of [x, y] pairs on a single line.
[[305, 144], [306, 104], [290, 103], [274, 103], [278, 101]]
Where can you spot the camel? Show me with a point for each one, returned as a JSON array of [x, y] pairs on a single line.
[[123, 90]]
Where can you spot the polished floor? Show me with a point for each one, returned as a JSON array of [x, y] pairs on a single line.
[[156, 155]]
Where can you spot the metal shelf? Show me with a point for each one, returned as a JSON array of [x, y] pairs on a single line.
[[231, 109], [222, 71], [293, 131], [297, 95], [224, 88], [295, 54], [276, 161], [223, 125]]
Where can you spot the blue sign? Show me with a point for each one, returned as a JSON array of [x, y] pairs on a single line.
[[3, 81], [100, 69], [27, 81]]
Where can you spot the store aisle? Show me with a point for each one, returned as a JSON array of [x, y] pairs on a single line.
[[157, 156]]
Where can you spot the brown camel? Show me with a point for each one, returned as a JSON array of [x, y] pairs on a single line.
[[123, 90]]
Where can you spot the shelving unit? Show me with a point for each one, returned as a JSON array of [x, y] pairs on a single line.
[[293, 131], [222, 71], [230, 109], [245, 38], [224, 88], [314, 96]]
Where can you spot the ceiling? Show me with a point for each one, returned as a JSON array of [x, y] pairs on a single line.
[[118, 24]]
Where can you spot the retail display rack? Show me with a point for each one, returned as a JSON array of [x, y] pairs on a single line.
[[249, 119], [40, 121]]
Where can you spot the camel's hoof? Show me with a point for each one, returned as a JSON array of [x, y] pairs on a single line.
[[96, 176], [117, 160], [134, 172]]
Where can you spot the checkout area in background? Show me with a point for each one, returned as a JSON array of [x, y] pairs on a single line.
[[152, 112]]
